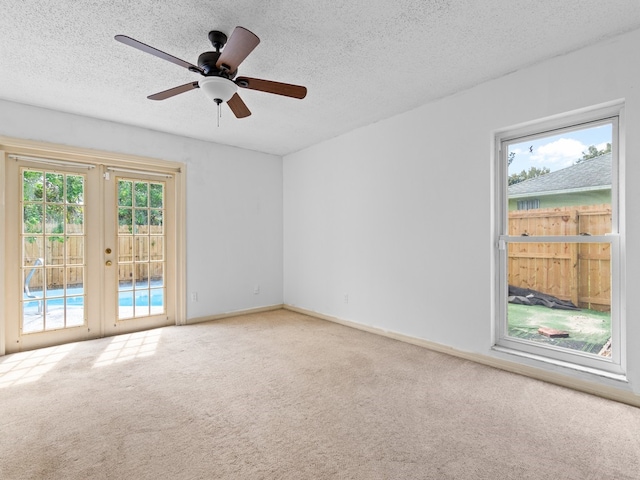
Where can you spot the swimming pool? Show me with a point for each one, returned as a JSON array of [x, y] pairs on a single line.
[[142, 297]]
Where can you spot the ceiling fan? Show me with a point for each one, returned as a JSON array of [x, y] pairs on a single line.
[[219, 70]]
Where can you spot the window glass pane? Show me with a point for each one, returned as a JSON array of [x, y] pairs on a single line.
[[560, 294], [556, 182]]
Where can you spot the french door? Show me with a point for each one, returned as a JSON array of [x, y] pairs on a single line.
[[89, 251]]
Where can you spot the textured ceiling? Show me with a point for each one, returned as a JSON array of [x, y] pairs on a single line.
[[361, 60]]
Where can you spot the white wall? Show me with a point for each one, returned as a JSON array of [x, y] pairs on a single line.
[[397, 215], [234, 203]]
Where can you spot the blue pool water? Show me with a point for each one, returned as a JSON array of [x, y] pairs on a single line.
[[125, 298]]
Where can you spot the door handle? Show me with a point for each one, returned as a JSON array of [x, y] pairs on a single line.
[[108, 263]]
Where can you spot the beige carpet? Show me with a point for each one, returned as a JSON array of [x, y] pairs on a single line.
[[284, 396]]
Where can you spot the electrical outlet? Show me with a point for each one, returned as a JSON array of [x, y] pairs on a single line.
[[256, 290], [346, 298], [194, 296]]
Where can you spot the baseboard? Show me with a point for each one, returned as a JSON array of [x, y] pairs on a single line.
[[236, 313], [513, 367]]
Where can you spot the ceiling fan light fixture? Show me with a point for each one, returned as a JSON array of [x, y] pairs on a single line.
[[218, 88]]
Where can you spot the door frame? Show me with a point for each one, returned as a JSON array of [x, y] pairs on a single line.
[[64, 153]]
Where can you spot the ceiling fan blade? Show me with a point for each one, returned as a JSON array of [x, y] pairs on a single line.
[[158, 53], [285, 89], [238, 47], [173, 91], [238, 107]]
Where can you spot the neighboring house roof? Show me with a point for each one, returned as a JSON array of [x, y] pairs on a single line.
[[592, 174]]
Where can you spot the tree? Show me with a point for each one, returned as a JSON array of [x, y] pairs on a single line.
[[524, 175], [593, 152]]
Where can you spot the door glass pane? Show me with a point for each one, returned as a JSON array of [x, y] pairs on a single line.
[[142, 194], [32, 250], [125, 276], [75, 250], [125, 220], [141, 256], [75, 189], [156, 249], [156, 194], [560, 294], [32, 218], [75, 311], [53, 243], [54, 187], [142, 248], [55, 282], [75, 220], [32, 186], [142, 275], [141, 221], [125, 305], [54, 252], [125, 193]]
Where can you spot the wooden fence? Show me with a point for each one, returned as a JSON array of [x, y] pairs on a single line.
[[580, 272], [144, 253]]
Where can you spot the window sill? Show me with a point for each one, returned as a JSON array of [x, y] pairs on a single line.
[[619, 377]]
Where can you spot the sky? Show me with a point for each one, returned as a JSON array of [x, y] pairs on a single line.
[[558, 151]]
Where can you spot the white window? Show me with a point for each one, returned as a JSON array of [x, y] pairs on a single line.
[[559, 286]]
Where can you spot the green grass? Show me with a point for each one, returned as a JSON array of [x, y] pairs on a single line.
[[588, 330]]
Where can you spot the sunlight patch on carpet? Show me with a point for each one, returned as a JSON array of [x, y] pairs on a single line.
[[129, 347], [26, 367]]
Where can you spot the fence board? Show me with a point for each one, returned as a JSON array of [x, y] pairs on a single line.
[[152, 249], [577, 272]]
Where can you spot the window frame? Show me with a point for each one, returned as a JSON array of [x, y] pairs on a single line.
[[615, 366]]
